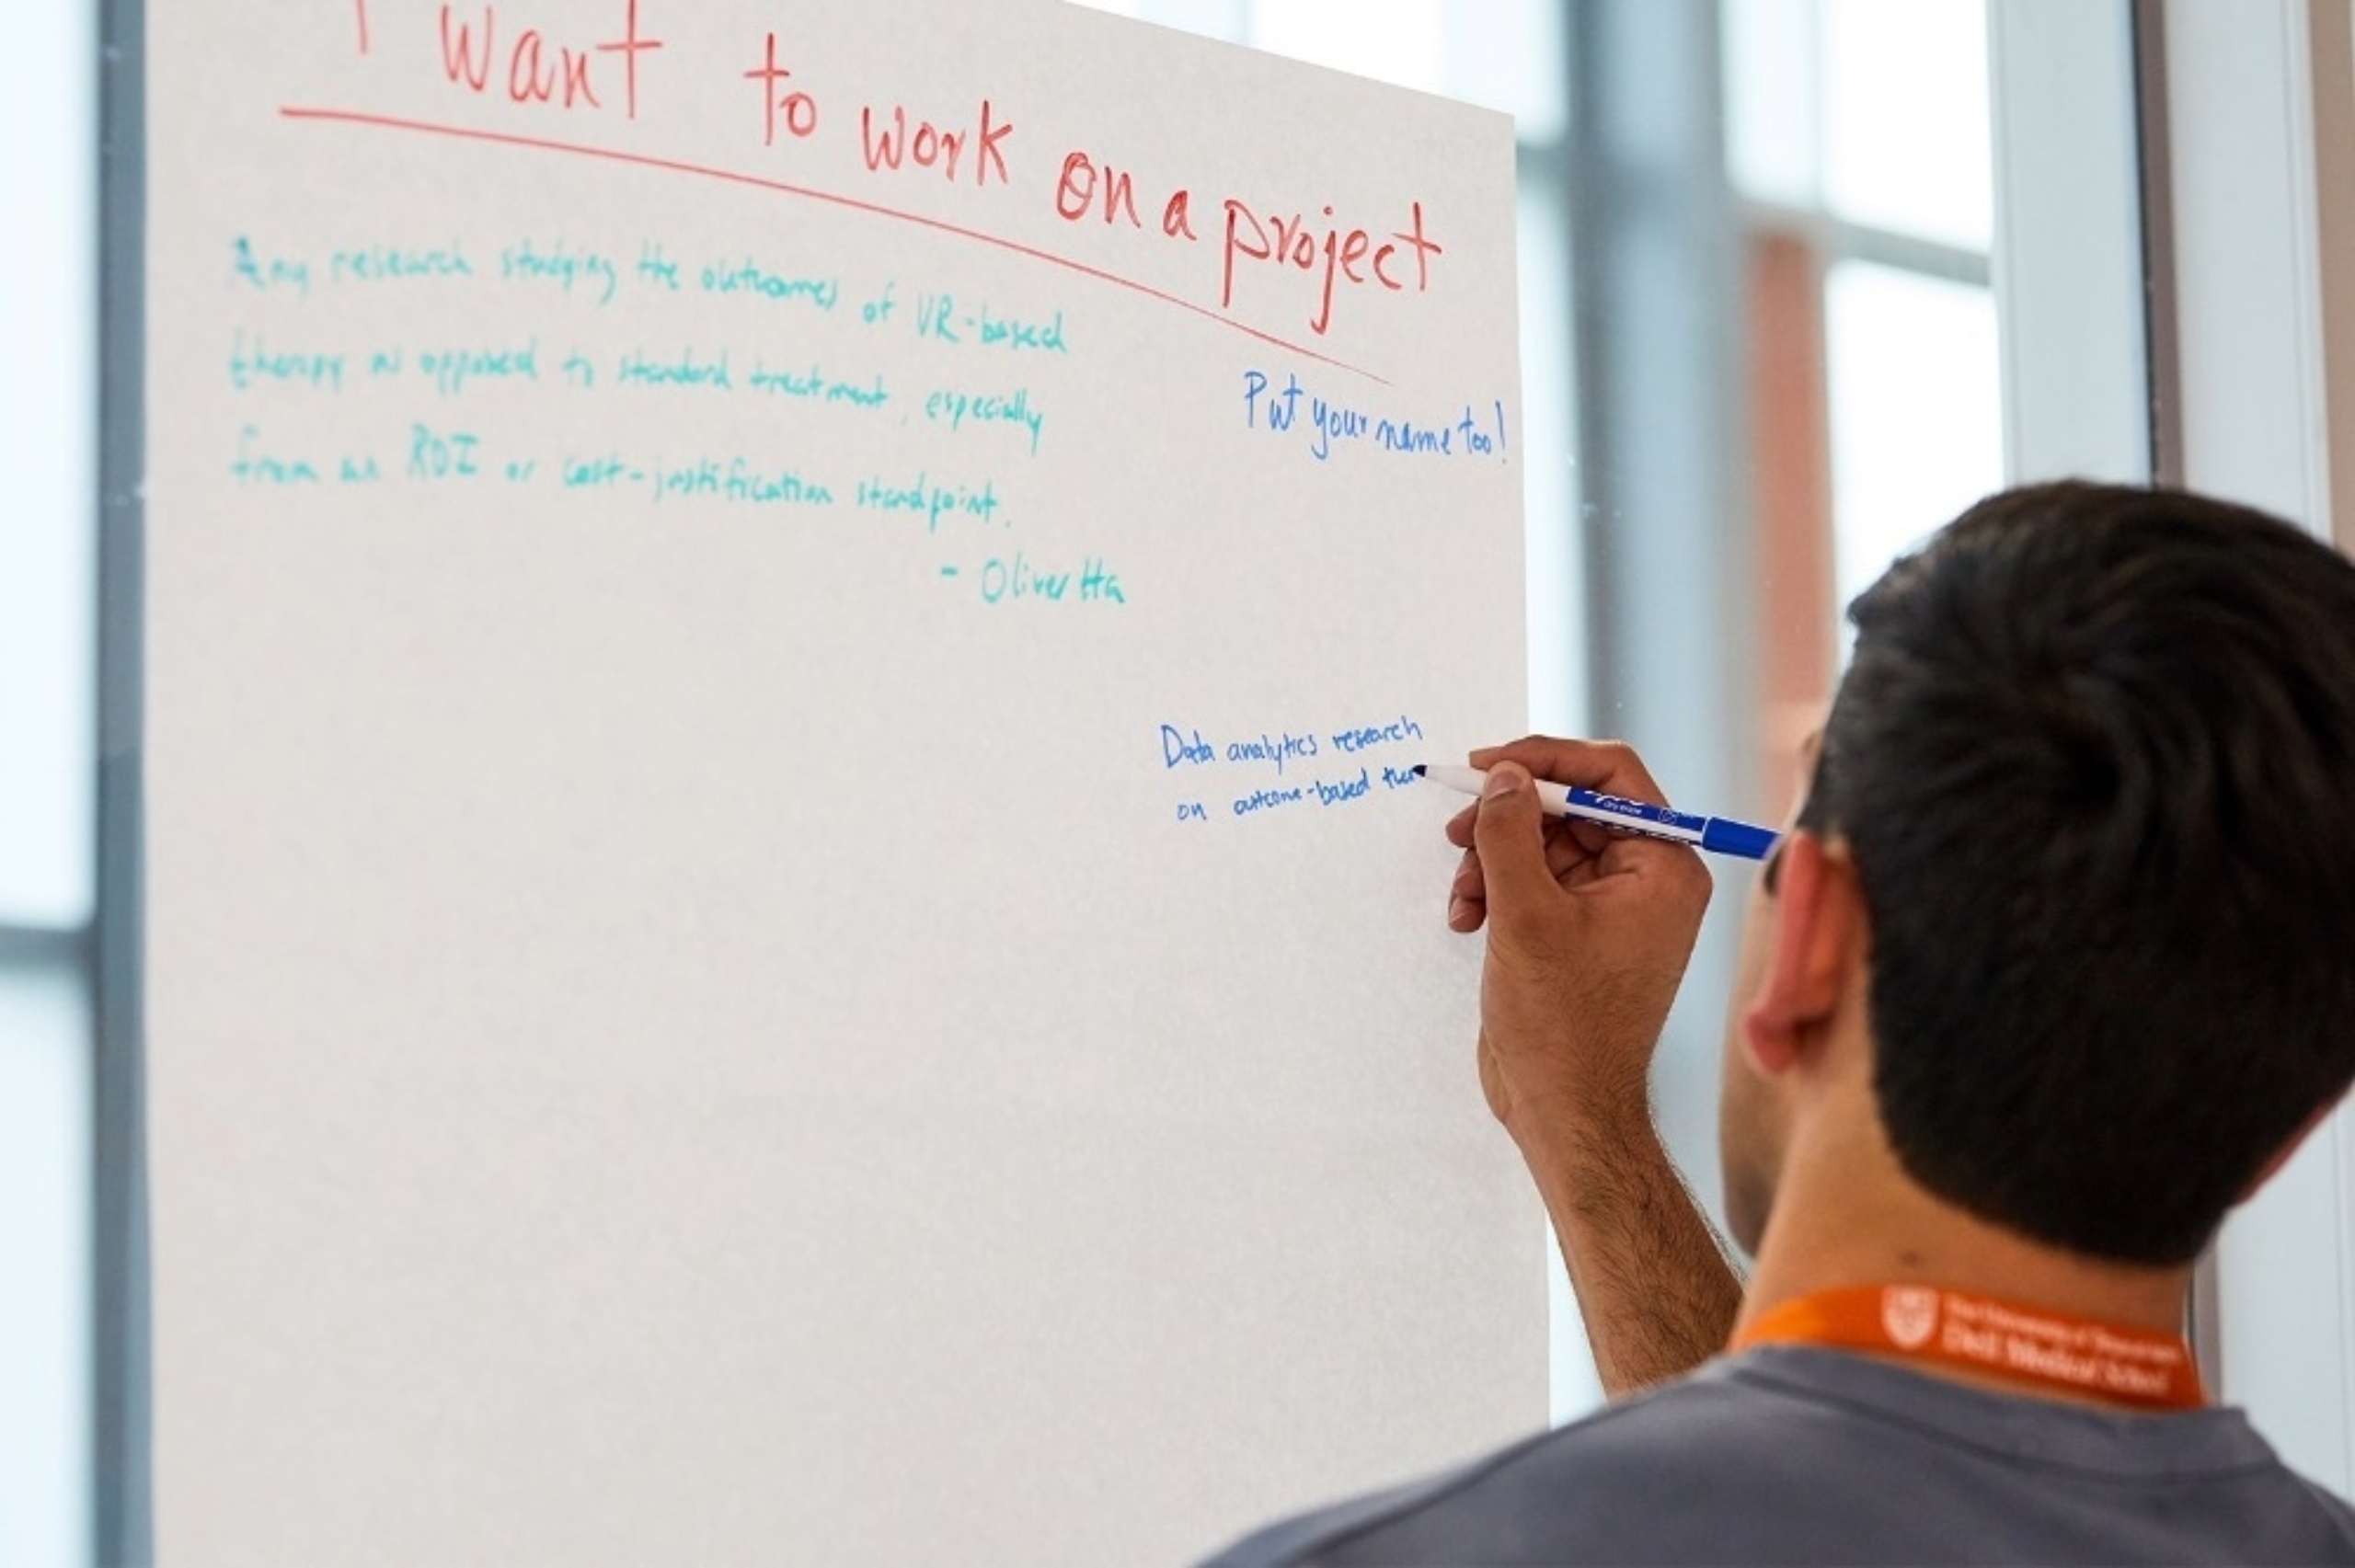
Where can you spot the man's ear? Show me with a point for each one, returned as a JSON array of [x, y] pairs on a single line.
[[2281, 1156], [1815, 930]]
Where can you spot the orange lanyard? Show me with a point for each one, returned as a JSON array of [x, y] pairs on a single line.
[[1922, 1323]]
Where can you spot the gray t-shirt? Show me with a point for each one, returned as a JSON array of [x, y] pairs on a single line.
[[1798, 1455]]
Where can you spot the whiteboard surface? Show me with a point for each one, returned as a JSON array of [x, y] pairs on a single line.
[[779, 924]]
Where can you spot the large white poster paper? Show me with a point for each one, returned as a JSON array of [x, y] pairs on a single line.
[[782, 923]]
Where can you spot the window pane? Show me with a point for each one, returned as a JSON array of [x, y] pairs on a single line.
[[1501, 54], [1211, 19], [1556, 599], [1905, 129], [1507, 55], [48, 400], [1771, 124], [1403, 41], [1916, 410], [45, 1260]]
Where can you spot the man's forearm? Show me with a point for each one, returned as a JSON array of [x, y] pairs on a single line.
[[1655, 1290]]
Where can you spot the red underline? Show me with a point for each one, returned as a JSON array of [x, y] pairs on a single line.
[[733, 177]]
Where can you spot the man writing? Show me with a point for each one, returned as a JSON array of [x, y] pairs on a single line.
[[2051, 972]]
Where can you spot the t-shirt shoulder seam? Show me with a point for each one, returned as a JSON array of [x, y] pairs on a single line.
[[2335, 1513]]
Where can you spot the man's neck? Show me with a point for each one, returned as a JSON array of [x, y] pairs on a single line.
[[1830, 1228]]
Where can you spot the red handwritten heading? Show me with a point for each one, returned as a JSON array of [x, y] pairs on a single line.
[[481, 54]]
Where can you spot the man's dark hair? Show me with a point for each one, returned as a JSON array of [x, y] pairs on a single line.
[[2094, 759]]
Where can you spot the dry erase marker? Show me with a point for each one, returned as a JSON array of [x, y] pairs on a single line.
[[1720, 835]]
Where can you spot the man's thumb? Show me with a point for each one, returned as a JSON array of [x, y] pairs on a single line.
[[1509, 834]]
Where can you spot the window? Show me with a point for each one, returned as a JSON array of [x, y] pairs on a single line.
[[47, 785], [1858, 138]]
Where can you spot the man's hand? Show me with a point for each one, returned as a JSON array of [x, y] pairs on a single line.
[[1589, 934]]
